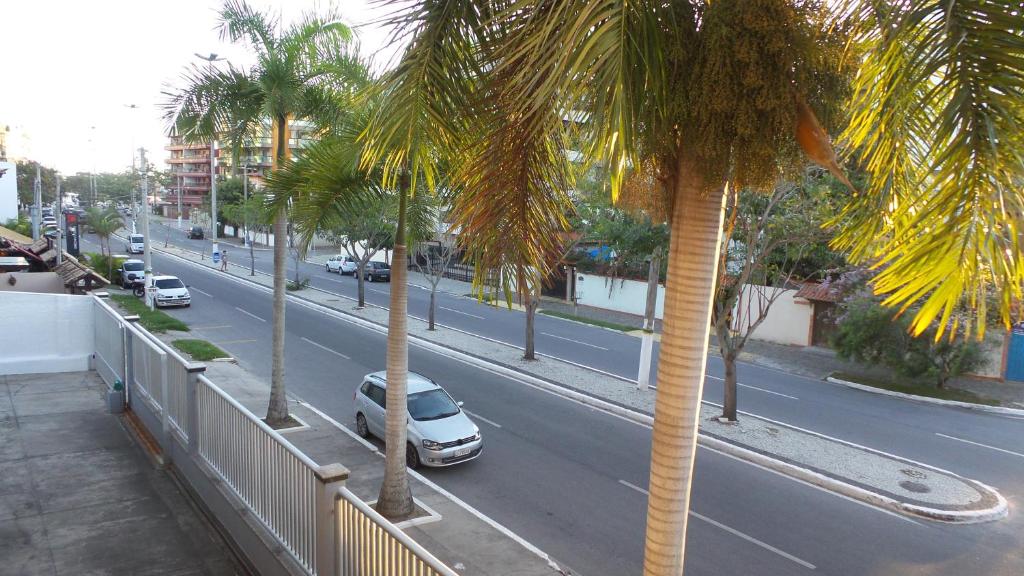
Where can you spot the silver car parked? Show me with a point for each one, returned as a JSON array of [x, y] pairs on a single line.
[[440, 433]]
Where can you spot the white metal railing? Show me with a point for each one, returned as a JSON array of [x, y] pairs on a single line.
[[370, 545], [271, 476], [147, 367], [305, 506], [109, 341]]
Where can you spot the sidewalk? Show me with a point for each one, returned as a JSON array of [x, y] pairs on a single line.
[[786, 449], [78, 497]]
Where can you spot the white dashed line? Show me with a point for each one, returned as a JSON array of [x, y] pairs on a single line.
[[461, 312], [732, 531], [207, 294], [481, 418], [325, 348], [576, 341], [1003, 450], [249, 314]]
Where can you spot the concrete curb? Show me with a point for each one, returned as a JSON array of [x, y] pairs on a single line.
[[995, 512], [999, 510], [969, 405]]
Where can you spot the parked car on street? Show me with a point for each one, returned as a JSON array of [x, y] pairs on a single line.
[[377, 271], [195, 233], [439, 432], [131, 271], [170, 291], [341, 264], [136, 244]]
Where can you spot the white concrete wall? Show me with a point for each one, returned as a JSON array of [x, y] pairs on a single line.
[[8, 191], [48, 282], [789, 319], [613, 294], [43, 333]]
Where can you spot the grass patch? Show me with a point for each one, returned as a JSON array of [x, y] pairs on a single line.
[[585, 320], [199, 349], [919, 390], [152, 320]]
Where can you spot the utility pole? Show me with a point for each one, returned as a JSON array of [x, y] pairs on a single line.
[[245, 215], [37, 204], [215, 250], [179, 202], [147, 262], [61, 223]]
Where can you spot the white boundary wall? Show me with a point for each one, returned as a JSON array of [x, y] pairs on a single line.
[[625, 295], [45, 333], [789, 319]]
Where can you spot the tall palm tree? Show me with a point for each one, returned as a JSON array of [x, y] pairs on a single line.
[[298, 72], [712, 92]]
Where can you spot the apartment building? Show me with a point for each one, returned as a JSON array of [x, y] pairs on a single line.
[[189, 164]]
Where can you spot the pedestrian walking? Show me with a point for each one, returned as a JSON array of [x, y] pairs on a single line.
[[224, 261]]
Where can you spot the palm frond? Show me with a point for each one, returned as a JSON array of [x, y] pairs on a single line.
[[939, 126], [240, 20]]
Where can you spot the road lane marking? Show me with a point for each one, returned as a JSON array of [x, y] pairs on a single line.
[[249, 314], [325, 348], [1003, 450], [461, 312], [576, 341], [634, 487], [235, 342], [767, 391], [201, 292], [732, 531], [211, 327], [481, 418], [377, 291], [753, 540]]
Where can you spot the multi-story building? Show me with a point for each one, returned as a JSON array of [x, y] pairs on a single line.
[[190, 165]]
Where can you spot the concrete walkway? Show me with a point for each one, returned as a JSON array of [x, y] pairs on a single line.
[[77, 496], [785, 449]]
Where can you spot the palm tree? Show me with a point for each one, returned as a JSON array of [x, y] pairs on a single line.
[[297, 72], [712, 92], [103, 224]]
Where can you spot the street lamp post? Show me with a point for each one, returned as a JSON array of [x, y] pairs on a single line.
[[245, 194], [213, 168], [145, 230]]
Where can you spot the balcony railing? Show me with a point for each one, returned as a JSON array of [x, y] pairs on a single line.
[[305, 507]]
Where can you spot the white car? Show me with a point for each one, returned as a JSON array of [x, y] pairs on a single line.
[[170, 291], [341, 264], [136, 244], [439, 432]]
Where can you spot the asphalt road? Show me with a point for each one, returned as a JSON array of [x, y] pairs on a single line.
[[569, 478]]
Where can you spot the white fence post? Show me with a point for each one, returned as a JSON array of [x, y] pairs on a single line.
[[129, 361], [329, 479], [165, 410], [192, 407]]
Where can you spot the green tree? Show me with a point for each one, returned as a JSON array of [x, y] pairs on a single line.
[[709, 92], [296, 71], [770, 238], [26, 180], [230, 192]]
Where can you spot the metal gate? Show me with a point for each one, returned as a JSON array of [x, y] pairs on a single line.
[[1015, 356]]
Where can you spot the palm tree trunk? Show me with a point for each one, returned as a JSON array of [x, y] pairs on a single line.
[[433, 304], [361, 288], [643, 377], [689, 290], [395, 500], [277, 409]]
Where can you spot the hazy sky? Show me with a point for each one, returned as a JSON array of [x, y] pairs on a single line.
[[70, 65]]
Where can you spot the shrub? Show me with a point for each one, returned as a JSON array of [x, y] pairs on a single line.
[[871, 333], [21, 225], [108, 266], [295, 286]]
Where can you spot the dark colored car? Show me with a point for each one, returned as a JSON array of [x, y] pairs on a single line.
[[195, 232], [377, 271]]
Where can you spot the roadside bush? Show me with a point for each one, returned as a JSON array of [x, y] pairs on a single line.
[[295, 286], [871, 333], [108, 266], [21, 225]]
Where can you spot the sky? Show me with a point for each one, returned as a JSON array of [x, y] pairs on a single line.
[[72, 68]]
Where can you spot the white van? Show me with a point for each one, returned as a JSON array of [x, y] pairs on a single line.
[[136, 244]]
